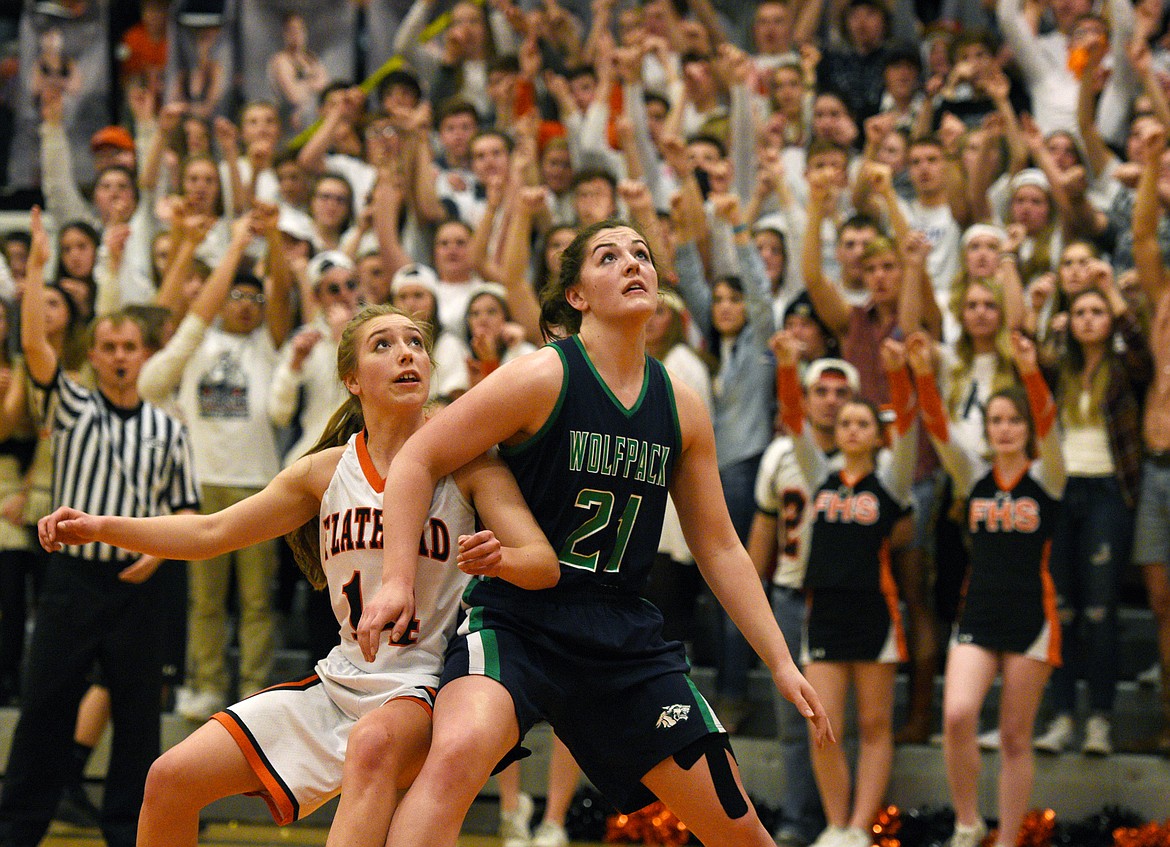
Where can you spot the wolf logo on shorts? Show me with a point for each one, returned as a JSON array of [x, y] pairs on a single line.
[[672, 715]]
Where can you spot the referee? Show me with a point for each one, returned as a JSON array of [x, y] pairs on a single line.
[[112, 454]]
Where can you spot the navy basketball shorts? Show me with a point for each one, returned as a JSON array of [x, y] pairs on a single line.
[[595, 666]]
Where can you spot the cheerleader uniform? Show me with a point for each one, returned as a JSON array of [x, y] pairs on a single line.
[[1009, 602], [852, 598]]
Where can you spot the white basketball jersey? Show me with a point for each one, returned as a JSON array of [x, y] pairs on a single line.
[[351, 553]]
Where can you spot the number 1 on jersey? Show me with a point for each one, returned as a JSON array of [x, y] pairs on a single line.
[[352, 591]]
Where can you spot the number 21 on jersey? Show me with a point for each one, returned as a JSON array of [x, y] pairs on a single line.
[[600, 504]]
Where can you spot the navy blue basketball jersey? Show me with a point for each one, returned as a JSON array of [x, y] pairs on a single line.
[[1011, 525], [596, 475]]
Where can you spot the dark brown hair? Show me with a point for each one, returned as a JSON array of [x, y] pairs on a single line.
[[557, 318]]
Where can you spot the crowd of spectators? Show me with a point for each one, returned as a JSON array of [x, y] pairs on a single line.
[[844, 171]]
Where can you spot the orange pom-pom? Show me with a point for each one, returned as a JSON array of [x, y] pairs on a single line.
[[1149, 835], [654, 824]]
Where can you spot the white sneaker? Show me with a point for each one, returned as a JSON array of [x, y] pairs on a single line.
[[514, 830], [830, 837], [183, 696], [856, 837], [1151, 677], [1058, 737], [989, 740], [1097, 743], [550, 834], [968, 836], [198, 706]]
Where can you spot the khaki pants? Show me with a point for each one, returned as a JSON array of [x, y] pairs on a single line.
[[208, 581]]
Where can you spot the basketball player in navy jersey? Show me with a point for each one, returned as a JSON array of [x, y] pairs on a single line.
[[596, 433], [1008, 623]]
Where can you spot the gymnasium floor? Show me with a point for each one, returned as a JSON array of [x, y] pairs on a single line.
[[241, 835], [215, 835]]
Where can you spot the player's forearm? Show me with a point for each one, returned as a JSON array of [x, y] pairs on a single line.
[[533, 566], [408, 491], [738, 588], [187, 536]]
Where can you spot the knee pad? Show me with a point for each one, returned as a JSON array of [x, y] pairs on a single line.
[[716, 747]]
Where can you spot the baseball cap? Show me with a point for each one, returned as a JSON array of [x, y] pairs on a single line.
[[415, 274], [296, 224], [802, 306], [322, 263], [838, 367], [493, 288], [112, 136], [200, 13]]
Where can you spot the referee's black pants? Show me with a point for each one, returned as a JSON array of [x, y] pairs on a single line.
[[85, 615]]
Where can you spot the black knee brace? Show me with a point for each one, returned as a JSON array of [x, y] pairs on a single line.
[[716, 748]]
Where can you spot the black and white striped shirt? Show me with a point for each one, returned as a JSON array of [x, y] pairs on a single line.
[[113, 461]]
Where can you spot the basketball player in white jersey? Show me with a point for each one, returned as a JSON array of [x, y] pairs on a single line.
[[288, 744]]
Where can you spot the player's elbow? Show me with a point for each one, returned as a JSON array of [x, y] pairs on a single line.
[[549, 574], [542, 570]]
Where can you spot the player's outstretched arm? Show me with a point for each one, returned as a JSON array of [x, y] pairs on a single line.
[[725, 563], [512, 545], [292, 498]]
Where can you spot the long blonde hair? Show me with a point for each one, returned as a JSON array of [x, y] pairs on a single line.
[[1005, 374], [346, 422]]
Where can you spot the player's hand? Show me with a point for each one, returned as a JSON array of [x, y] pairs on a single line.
[[391, 607], [66, 526], [480, 554], [141, 570], [791, 683]]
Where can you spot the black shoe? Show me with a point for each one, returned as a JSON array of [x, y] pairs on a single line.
[[76, 809], [9, 692]]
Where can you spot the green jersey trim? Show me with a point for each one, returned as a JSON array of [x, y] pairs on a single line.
[[673, 404], [705, 711], [514, 449]]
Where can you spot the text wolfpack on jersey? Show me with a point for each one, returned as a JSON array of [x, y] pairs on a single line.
[[618, 456]]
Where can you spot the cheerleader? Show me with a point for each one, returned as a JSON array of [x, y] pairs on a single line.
[[1008, 624], [853, 631]]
